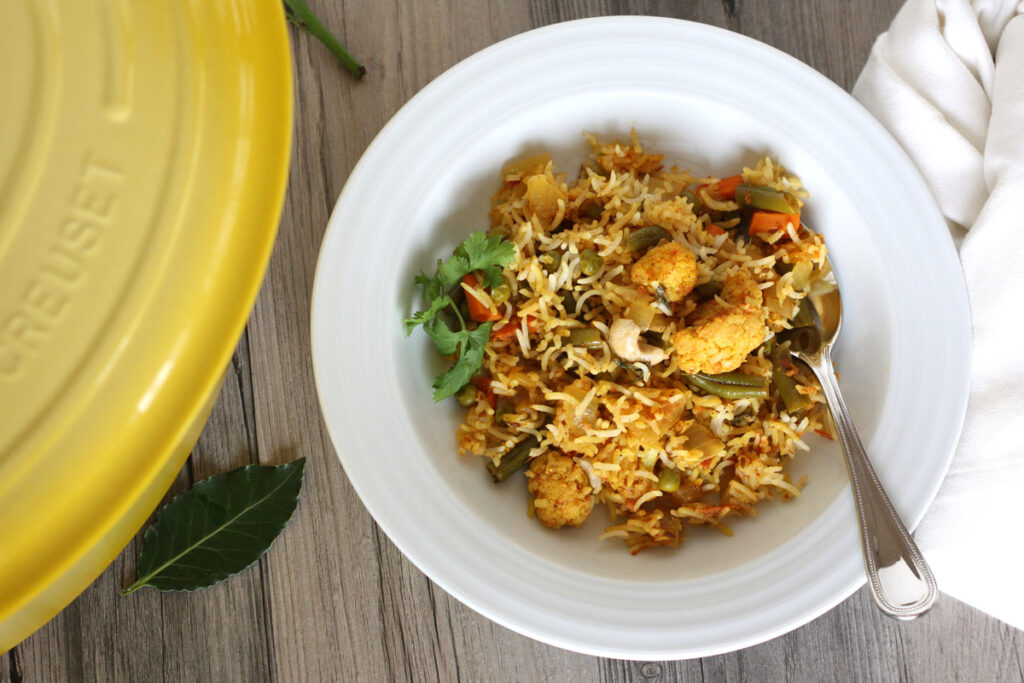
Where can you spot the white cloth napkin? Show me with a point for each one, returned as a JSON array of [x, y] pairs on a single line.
[[947, 80]]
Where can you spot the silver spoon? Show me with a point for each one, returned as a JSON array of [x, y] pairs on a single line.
[[901, 582]]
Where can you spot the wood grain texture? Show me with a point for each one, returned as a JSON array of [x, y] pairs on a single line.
[[334, 599]]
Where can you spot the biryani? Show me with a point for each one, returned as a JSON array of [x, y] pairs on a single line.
[[618, 337]]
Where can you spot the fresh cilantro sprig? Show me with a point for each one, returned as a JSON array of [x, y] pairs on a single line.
[[478, 252]]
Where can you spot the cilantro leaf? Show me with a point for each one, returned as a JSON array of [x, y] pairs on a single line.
[[445, 339], [471, 357], [452, 270], [432, 286], [426, 316], [477, 253]]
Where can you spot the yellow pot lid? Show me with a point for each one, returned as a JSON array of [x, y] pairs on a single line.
[[142, 173]]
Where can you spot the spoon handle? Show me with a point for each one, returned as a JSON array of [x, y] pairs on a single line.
[[901, 582]]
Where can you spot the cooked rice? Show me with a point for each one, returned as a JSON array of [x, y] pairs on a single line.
[[623, 423]]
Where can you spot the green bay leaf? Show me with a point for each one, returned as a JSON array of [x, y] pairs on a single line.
[[217, 528]]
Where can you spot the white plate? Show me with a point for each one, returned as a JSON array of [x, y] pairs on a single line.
[[711, 100]]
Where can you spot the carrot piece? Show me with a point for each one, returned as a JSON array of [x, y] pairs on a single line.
[[726, 188], [509, 328], [769, 221], [483, 385], [477, 310], [715, 229]]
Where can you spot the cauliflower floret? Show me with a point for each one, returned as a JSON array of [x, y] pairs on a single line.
[[720, 341], [561, 490], [721, 336], [740, 288], [671, 265]]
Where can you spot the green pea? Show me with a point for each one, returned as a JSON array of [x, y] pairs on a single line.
[[503, 409], [669, 480], [551, 260], [466, 396], [590, 262], [592, 210], [501, 293]]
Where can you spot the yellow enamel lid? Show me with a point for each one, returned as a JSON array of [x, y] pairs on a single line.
[[143, 165]]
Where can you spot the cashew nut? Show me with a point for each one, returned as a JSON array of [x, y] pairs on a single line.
[[624, 339]]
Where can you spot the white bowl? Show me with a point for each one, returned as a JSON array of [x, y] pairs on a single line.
[[712, 100]]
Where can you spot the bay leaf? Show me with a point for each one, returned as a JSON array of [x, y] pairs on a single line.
[[217, 528]]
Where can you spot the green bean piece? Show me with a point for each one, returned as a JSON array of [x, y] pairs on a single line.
[[466, 396], [503, 409], [786, 385], [669, 479], [551, 260], [569, 303], [645, 238], [804, 316], [514, 460], [501, 293], [707, 290], [736, 379], [653, 338], [729, 392], [587, 337], [695, 202], [766, 198], [590, 262]]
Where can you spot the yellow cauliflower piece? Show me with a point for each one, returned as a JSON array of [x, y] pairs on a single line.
[[721, 336], [671, 265], [720, 341], [561, 490]]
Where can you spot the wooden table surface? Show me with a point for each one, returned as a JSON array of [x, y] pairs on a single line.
[[334, 599]]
